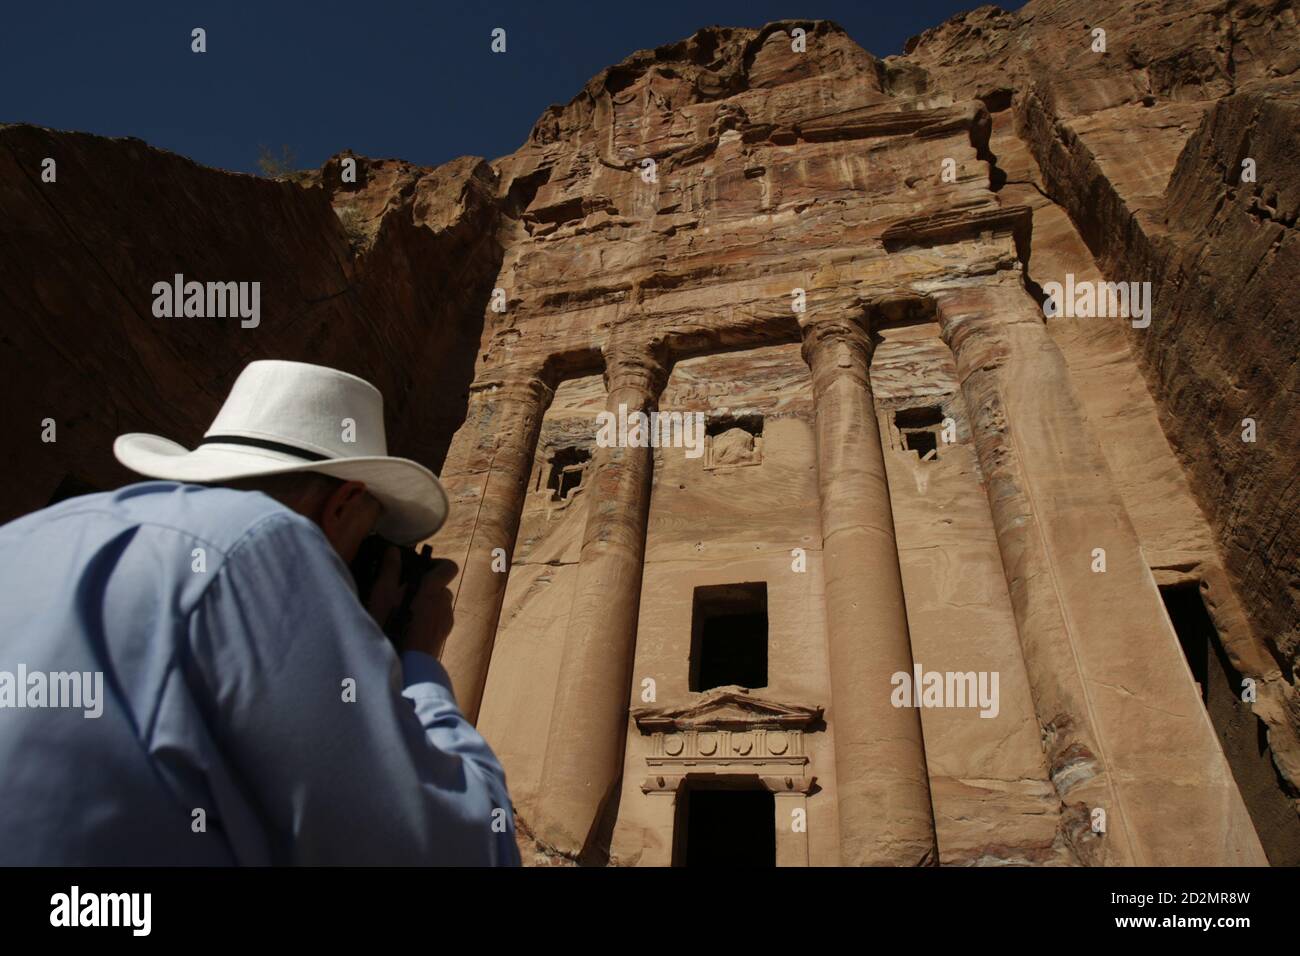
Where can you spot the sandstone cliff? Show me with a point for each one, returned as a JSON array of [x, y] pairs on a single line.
[[1143, 149], [394, 302], [677, 200]]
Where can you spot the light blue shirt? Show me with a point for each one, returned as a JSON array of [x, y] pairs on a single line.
[[251, 712]]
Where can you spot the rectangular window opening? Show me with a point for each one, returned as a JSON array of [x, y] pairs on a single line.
[[925, 416], [729, 636], [568, 466], [919, 429]]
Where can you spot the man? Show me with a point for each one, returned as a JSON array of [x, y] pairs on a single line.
[[187, 676]]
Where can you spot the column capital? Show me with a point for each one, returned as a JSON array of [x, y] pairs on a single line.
[[528, 384], [837, 339], [640, 365]]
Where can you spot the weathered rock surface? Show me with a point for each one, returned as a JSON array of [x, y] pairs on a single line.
[[1143, 148], [80, 256], [912, 470]]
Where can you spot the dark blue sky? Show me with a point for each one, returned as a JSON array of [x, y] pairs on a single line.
[[385, 77]]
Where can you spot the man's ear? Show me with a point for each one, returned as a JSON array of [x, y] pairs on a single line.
[[347, 516]]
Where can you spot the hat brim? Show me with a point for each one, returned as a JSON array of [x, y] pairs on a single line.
[[414, 501]]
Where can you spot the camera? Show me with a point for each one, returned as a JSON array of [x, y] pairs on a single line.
[[415, 565]]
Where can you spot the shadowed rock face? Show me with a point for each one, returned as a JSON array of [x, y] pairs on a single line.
[[646, 243], [81, 256]]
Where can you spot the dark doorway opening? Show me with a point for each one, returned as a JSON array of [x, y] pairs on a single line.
[[1195, 631], [731, 828], [729, 636], [1242, 735]]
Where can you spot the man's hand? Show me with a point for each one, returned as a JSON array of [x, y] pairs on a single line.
[[431, 614]]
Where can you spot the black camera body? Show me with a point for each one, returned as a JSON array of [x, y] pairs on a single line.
[[415, 565]]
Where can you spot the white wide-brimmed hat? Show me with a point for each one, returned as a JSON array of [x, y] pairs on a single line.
[[287, 417]]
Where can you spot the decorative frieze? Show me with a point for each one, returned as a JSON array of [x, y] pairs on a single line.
[[728, 733]]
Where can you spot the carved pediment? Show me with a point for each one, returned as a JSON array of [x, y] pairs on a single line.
[[726, 708]]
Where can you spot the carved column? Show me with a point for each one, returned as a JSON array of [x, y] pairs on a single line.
[[501, 431], [584, 751], [880, 775], [1123, 725]]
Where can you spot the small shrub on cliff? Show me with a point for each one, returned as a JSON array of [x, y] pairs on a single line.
[[353, 227], [276, 167]]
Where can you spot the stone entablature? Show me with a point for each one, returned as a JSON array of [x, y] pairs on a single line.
[[728, 733]]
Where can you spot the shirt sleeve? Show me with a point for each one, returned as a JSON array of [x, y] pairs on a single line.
[[349, 760]]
